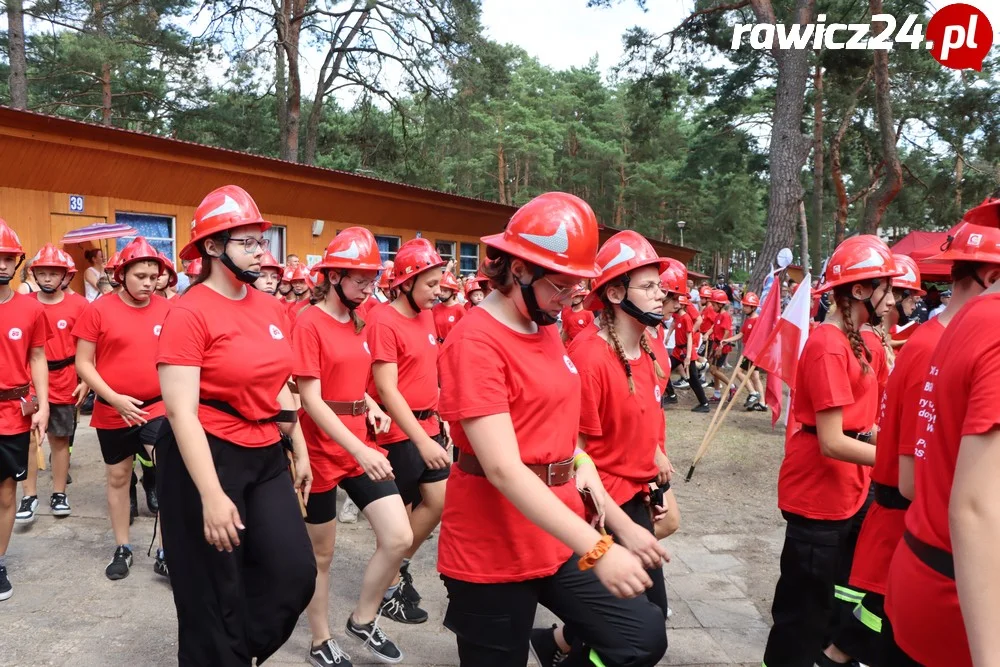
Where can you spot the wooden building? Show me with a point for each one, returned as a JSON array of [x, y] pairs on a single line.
[[58, 174]]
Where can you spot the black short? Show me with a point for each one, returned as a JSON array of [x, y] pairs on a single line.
[[62, 420], [118, 444], [322, 507], [411, 471], [363, 490], [745, 364], [720, 361], [14, 456]]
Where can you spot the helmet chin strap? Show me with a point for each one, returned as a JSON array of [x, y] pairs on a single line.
[[409, 297], [351, 305], [873, 319], [5, 280], [244, 276], [48, 290], [537, 315], [643, 317]]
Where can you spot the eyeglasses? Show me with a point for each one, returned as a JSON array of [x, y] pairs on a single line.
[[250, 244], [361, 283], [653, 290], [565, 294]]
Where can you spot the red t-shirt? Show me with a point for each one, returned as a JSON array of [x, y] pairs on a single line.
[[575, 322], [683, 325], [409, 343], [294, 307], [879, 363], [883, 527], [623, 430], [22, 327], [829, 376], [964, 377], [125, 340], [723, 327], [446, 317], [244, 354], [330, 351], [488, 369], [657, 337], [747, 327], [708, 317], [61, 318], [367, 305]]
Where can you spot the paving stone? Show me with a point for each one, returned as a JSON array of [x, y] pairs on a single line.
[[745, 644], [705, 586], [728, 542], [733, 614], [709, 562], [682, 616], [694, 646]]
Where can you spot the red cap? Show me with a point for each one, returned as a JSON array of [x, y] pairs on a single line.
[[171, 270], [112, 263], [705, 292], [193, 269], [299, 272], [986, 214], [385, 280], [719, 296], [972, 243], [751, 299], [225, 208], [269, 262], [448, 282], [49, 257], [674, 278]]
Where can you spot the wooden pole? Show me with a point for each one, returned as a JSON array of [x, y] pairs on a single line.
[[711, 434], [725, 395]]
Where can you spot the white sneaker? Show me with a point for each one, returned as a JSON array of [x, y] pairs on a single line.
[[349, 513]]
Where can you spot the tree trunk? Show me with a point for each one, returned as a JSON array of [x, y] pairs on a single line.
[[292, 27], [840, 218], [280, 90], [501, 174], [818, 168], [959, 173], [16, 56], [892, 182], [105, 65], [805, 236], [789, 147]]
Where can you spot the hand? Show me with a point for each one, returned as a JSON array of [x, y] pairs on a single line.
[[446, 429], [433, 454], [622, 573], [40, 422], [222, 522], [376, 465], [303, 476], [644, 545], [588, 478], [685, 369], [129, 409], [658, 512], [664, 469], [80, 393], [379, 419]]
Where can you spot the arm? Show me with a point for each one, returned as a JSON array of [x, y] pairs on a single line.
[[300, 453], [906, 477], [40, 379], [386, 382], [974, 519], [127, 406], [733, 339], [91, 276], [835, 445]]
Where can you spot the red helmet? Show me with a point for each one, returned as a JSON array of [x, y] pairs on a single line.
[[413, 258], [70, 265], [353, 248], [269, 262], [555, 231], [49, 257], [474, 284], [222, 209], [448, 282], [719, 296], [684, 299], [193, 269], [385, 280], [705, 292], [138, 250], [972, 243], [622, 253], [864, 257], [9, 243], [910, 280], [112, 263], [986, 214], [751, 299], [674, 278], [299, 272], [171, 270]]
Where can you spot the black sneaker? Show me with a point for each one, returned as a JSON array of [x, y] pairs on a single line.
[[119, 566], [328, 653], [149, 486], [704, 407], [26, 510], [406, 584], [375, 641], [160, 565], [668, 399], [59, 506], [544, 648], [6, 590], [401, 610]]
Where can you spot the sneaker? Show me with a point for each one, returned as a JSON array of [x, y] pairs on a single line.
[[406, 584], [751, 399], [119, 566], [732, 392], [375, 640], [349, 512], [59, 506], [6, 590], [714, 399], [757, 407], [401, 610], [26, 511], [160, 565], [681, 384], [704, 407], [149, 486], [668, 399], [544, 648], [328, 653]]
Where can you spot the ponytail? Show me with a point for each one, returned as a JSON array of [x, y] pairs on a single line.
[[608, 322], [644, 344], [861, 352]]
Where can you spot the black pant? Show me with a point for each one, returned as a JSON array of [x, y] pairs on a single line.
[[863, 636], [694, 380], [493, 622], [849, 635], [234, 607], [804, 595], [638, 511]]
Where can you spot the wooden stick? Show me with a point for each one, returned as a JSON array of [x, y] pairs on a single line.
[[722, 402], [711, 435], [39, 454]]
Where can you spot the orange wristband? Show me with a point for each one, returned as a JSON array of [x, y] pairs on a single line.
[[589, 559]]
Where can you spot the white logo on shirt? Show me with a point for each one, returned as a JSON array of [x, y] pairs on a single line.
[[451, 318], [365, 345], [569, 364], [432, 339], [275, 332], [656, 393], [156, 329], [15, 334], [580, 321], [61, 324]]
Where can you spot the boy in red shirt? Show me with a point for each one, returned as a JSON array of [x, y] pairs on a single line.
[[686, 342], [576, 319], [750, 304], [475, 291], [298, 297], [722, 328], [62, 310], [449, 311], [22, 356]]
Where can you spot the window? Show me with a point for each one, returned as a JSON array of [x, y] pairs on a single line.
[[446, 249], [387, 247], [276, 235], [157, 229], [469, 258]]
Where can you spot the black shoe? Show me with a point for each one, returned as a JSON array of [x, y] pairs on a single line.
[[406, 585], [59, 506], [544, 648], [375, 641], [401, 610], [704, 407], [149, 486], [6, 590], [160, 565], [119, 566], [757, 407], [26, 510], [327, 654], [668, 399]]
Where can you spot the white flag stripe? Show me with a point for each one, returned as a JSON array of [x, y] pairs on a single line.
[[798, 309]]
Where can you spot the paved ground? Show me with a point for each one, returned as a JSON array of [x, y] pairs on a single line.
[[64, 611]]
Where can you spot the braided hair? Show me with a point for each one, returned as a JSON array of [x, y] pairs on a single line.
[[842, 297], [644, 344], [608, 322]]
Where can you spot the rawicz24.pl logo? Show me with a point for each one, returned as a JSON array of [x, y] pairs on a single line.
[[958, 36]]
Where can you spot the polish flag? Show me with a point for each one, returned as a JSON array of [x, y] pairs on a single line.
[[779, 352], [770, 309]]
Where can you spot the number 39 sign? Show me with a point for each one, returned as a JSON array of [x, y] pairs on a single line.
[[76, 203]]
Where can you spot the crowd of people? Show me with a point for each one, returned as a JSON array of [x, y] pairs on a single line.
[[534, 391]]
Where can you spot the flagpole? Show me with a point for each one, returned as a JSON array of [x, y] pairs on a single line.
[[711, 435], [725, 398]]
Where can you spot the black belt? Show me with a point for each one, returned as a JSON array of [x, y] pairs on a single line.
[[938, 560], [421, 415], [145, 404], [283, 416], [863, 437], [60, 364], [889, 496]]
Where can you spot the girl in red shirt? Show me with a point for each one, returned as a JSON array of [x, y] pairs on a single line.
[[722, 327], [299, 297], [115, 355], [576, 319], [750, 303], [23, 333], [242, 569], [270, 275], [449, 311], [513, 531], [823, 480]]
